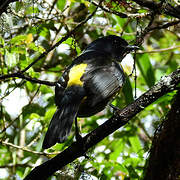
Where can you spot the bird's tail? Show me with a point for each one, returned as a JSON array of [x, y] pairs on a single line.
[[62, 120]]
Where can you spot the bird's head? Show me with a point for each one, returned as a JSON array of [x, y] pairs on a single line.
[[112, 45]]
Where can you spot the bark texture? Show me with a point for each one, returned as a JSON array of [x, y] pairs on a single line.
[[164, 161]]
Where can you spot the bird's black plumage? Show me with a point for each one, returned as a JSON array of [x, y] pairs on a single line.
[[87, 85]]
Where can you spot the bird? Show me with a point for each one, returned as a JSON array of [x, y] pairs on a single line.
[[87, 85]]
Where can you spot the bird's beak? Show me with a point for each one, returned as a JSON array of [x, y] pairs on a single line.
[[131, 48]]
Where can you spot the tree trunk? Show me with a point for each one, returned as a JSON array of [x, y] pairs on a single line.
[[164, 160]]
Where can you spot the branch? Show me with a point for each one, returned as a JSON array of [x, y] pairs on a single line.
[[150, 28], [158, 50], [120, 14], [28, 78], [160, 8], [165, 85], [148, 4], [16, 165], [172, 11], [25, 149], [164, 26]]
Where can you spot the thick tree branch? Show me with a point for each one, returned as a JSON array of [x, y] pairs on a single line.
[[150, 28], [150, 4], [165, 26], [165, 85], [160, 8]]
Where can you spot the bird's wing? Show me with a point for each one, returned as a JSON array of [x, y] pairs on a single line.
[[60, 88], [103, 82], [77, 66]]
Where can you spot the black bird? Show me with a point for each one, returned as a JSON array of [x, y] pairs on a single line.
[[87, 85]]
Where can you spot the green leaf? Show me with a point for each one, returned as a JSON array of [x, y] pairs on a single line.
[[18, 49], [18, 6], [34, 116], [120, 21], [49, 113], [136, 145], [128, 92], [24, 60], [33, 108], [29, 86], [132, 173], [1, 41], [18, 40], [122, 168], [36, 48], [44, 32], [146, 69], [61, 4], [26, 172], [45, 89], [31, 10], [118, 148], [69, 41]]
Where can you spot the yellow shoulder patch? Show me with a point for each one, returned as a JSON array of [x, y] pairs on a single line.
[[75, 74]]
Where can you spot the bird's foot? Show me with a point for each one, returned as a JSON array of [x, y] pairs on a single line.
[[116, 110], [77, 134], [79, 140], [78, 137]]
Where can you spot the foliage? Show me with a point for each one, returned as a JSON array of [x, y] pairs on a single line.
[[30, 28]]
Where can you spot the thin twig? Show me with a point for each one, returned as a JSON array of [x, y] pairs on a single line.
[[28, 78], [10, 91], [159, 50], [26, 149], [34, 140], [165, 26], [15, 165]]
